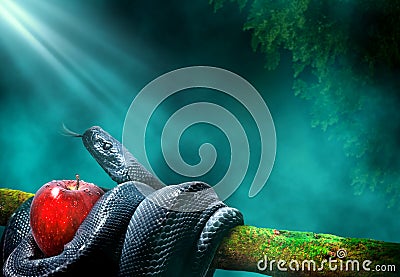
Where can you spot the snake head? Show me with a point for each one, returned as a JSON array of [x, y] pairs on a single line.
[[107, 151], [116, 160]]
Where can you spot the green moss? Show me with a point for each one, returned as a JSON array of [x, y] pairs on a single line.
[[246, 245], [10, 200]]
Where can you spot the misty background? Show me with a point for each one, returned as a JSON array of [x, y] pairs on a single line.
[[82, 64]]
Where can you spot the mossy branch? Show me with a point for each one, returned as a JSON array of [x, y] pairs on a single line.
[[10, 200], [247, 247], [288, 253]]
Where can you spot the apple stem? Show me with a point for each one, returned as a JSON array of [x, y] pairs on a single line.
[[77, 180]]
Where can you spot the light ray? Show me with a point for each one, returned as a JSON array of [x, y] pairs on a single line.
[[34, 42], [87, 76]]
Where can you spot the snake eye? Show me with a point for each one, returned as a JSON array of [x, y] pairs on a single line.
[[106, 146]]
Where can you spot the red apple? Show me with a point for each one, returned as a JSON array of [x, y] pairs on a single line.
[[58, 209]]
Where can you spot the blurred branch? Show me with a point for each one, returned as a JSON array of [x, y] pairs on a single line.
[[10, 200], [246, 248]]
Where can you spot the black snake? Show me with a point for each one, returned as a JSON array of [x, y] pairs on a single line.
[[138, 228]]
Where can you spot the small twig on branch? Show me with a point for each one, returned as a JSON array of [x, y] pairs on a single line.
[[282, 253]]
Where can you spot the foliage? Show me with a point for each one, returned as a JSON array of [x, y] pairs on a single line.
[[346, 60], [244, 246]]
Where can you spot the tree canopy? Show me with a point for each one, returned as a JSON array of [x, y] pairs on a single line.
[[346, 60]]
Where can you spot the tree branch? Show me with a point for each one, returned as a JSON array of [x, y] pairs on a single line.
[[270, 252], [10, 200], [247, 246]]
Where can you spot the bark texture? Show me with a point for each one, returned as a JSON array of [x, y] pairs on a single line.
[[281, 253]]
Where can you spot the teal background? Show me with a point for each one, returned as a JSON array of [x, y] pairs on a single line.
[[82, 64]]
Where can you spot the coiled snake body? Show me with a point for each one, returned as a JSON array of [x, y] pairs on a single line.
[[138, 228]]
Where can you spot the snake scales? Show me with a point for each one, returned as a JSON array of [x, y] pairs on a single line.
[[138, 228]]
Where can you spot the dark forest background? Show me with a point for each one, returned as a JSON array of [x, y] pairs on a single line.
[[328, 71]]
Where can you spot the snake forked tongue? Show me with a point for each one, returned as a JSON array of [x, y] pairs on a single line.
[[115, 159]]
